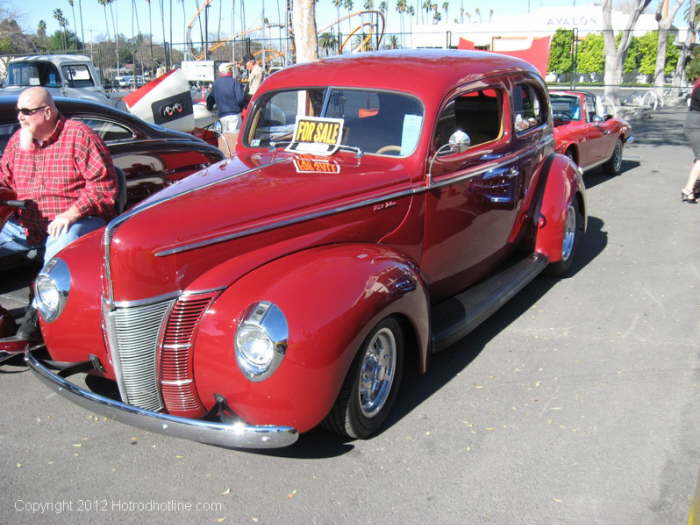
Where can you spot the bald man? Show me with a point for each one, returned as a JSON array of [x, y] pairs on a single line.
[[64, 169]]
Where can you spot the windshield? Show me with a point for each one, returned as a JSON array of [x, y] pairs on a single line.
[[376, 122], [33, 74], [565, 107]]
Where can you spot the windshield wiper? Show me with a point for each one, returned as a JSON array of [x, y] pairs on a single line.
[[358, 151]]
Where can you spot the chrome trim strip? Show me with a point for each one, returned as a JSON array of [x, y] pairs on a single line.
[[145, 302], [177, 383], [237, 434], [120, 219], [369, 202], [177, 347]]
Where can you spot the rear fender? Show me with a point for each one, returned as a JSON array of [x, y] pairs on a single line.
[[331, 296], [562, 183]]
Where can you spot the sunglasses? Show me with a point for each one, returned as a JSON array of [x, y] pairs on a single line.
[[29, 111]]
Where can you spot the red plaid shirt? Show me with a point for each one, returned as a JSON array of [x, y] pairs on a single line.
[[73, 166]]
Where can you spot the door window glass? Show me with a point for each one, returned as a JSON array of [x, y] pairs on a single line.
[[477, 113], [78, 76], [528, 107], [107, 130]]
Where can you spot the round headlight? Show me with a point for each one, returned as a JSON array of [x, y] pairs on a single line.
[[51, 287], [261, 341]]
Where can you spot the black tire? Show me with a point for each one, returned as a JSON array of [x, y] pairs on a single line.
[[613, 166], [363, 406], [572, 233], [571, 154]]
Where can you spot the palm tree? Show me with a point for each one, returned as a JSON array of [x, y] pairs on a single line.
[[427, 6], [150, 29], [369, 4], [328, 42], [63, 23], [104, 4], [348, 5], [445, 7], [80, 11], [401, 7], [384, 8], [75, 23]]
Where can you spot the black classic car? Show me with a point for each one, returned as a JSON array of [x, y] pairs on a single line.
[[151, 157]]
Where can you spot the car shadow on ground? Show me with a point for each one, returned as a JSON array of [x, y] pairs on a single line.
[[598, 175], [444, 366]]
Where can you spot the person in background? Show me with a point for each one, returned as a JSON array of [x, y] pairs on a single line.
[[65, 170], [692, 133], [255, 75], [228, 97]]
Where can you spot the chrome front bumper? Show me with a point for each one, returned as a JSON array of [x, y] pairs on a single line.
[[236, 434]]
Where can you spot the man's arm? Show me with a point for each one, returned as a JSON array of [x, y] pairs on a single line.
[[99, 195]]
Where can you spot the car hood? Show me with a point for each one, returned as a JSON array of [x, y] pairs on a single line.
[[252, 204]]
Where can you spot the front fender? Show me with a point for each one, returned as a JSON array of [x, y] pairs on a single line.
[[563, 182], [332, 296]]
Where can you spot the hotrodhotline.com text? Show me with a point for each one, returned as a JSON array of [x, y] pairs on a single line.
[[114, 505]]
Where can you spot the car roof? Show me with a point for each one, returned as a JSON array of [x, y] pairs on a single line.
[[76, 106], [56, 59], [426, 73]]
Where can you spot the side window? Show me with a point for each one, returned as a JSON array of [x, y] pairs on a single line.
[[78, 75], [6, 131], [108, 131], [590, 108], [477, 113], [529, 109]]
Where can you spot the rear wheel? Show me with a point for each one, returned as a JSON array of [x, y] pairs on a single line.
[[614, 164], [573, 227], [372, 384]]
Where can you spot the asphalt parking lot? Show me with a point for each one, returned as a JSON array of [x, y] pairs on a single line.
[[576, 404]]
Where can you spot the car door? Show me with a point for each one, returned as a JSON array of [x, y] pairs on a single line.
[[605, 139], [474, 196]]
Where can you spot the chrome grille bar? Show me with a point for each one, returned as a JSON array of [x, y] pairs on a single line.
[[134, 333]]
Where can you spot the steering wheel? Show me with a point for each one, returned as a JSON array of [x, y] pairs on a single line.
[[388, 148], [561, 115]]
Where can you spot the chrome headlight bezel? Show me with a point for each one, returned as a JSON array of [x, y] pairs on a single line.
[[260, 340], [51, 288]]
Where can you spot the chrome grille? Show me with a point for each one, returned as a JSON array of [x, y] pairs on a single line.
[[176, 359], [134, 332]]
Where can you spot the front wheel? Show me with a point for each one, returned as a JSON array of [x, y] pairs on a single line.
[[614, 164], [573, 227], [372, 384]]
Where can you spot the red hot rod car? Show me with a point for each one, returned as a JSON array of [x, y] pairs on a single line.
[[583, 135], [367, 216]]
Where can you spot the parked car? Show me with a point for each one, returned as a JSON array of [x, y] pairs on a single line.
[[367, 221], [63, 75], [585, 136], [151, 156]]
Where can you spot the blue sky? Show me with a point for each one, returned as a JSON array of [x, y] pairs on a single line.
[[29, 12]]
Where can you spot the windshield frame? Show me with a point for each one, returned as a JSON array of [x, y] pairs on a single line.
[[328, 91]]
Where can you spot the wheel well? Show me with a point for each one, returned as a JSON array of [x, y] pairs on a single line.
[[412, 357], [574, 152]]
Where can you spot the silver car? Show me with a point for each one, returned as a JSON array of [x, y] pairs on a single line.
[[63, 75]]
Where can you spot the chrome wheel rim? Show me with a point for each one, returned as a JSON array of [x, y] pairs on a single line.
[[377, 372], [567, 246]]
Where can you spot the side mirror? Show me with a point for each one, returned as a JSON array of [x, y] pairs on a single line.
[[598, 119], [459, 142]]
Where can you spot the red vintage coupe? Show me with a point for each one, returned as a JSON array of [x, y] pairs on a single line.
[[586, 137], [367, 221]]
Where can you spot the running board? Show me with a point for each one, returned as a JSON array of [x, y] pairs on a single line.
[[454, 318]]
